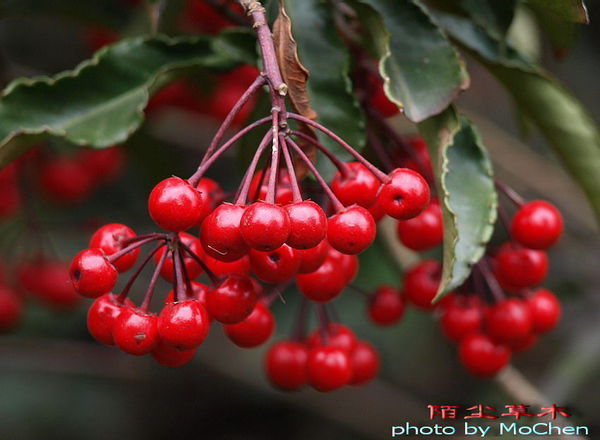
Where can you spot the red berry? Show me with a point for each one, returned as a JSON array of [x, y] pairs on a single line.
[[509, 320], [386, 306], [103, 165], [365, 363], [379, 100], [170, 356], [102, 316], [112, 238], [275, 266], [336, 335], [96, 37], [10, 196], [53, 285], [233, 299], [482, 356], [405, 195], [65, 180], [254, 330], [423, 232], [351, 231], [184, 324], [135, 331], [523, 344], [308, 224], [376, 210], [545, 310], [219, 268], [461, 317], [421, 161], [11, 309], [348, 264], [324, 284], [421, 283], [175, 205], [358, 187], [212, 194], [265, 226], [92, 274], [311, 259], [521, 267], [537, 225], [328, 368], [224, 98], [221, 236], [183, 94], [286, 365], [283, 190], [192, 267]]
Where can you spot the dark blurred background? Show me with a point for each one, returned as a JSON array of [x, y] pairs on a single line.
[[56, 383]]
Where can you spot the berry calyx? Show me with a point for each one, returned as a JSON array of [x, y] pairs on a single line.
[[365, 363], [308, 224], [220, 235], [135, 331], [352, 230], [175, 205], [184, 324], [112, 238], [405, 195], [509, 320], [233, 299], [482, 356], [92, 274], [386, 306], [253, 331], [537, 225], [285, 365], [359, 186], [265, 226], [423, 232], [545, 310], [328, 368]]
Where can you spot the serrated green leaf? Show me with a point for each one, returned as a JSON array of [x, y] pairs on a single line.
[[465, 183], [100, 103], [562, 34], [566, 124], [422, 71], [495, 16], [326, 57], [568, 10]]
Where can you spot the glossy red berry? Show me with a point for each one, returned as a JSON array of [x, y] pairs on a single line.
[[423, 232], [386, 306], [221, 236], [537, 225], [521, 267], [482, 356], [275, 266], [169, 356], [405, 195], [308, 224], [101, 318], [11, 309], [112, 238], [192, 267], [211, 193], [175, 205], [92, 274], [219, 268], [336, 335], [328, 368], [65, 180], [462, 316], [420, 161], [377, 210], [265, 226], [351, 231], [253, 331], [311, 259], [379, 100], [53, 285], [324, 284], [283, 190], [286, 365], [545, 310], [233, 299], [509, 320], [348, 264], [183, 324], [359, 186], [103, 165], [365, 363], [135, 331], [421, 283]]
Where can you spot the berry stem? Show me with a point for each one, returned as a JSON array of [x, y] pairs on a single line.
[[205, 165], [218, 137], [125, 292], [490, 280], [178, 265], [114, 257], [380, 151], [243, 195], [296, 193], [337, 205], [152, 286], [510, 193], [299, 329], [143, 237], [191, 253], [340, 165], [274, 157], [363, 292], [323, 323], [384, 178], [186, 276]]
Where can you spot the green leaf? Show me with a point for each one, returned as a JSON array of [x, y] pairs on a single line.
[[566, 124], [568, 10], [421, 69], [562, 34], [465, 183], [101, 102], [326, 57], [495, 16]]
